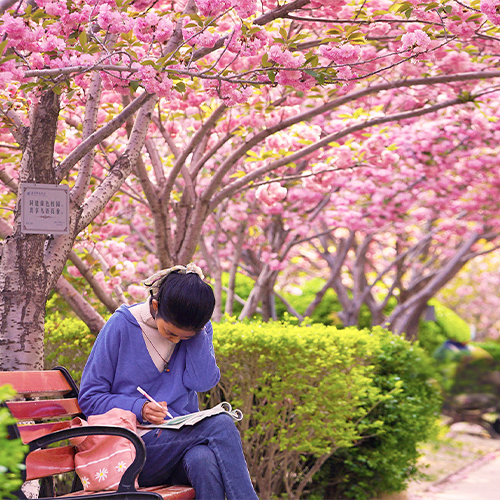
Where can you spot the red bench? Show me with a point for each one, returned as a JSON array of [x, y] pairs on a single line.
[[46, 402]]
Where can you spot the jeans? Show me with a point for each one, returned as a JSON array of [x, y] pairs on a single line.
[[208, 455]]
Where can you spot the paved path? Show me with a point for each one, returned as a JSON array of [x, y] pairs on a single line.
[[480, 481]]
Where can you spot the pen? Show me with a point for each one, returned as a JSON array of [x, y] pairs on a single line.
[[147, 396]]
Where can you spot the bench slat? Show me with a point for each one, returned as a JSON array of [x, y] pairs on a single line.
[[37, 383], [173, 492], [48, 408], [43, 463], [34, 431], [166, 492]]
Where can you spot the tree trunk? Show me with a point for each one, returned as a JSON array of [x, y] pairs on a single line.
[[408, 322], [25, 281]]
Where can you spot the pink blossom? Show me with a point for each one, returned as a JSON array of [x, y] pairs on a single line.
[[491, 9], [418, 41], [460, 28], [212, 7], [153, 27], [245, 8], [155, 82], [119, 230], [52, 43], [341, 54], [271, 193], [164, 29], [137, 292], [346, 76], [73, 271], [230, 93], [299, 80], [112, 20], [247, 44], [56, 8], [14, 27], [203, 39], [285, 58]]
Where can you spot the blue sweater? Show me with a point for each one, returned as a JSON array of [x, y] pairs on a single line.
[[120, 361]]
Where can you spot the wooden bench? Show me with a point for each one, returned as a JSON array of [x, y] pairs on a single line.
[[46, 402]]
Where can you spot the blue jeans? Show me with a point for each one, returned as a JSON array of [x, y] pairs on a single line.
[[208, 455]]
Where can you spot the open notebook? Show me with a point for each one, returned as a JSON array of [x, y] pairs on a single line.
[[193, 418]]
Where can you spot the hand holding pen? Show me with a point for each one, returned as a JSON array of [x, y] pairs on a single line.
[[155, 412]]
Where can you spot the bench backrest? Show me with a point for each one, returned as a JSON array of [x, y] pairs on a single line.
[[46, 401]]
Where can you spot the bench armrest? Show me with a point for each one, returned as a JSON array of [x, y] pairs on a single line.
[[129, 476]]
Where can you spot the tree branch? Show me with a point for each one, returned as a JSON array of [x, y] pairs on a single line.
[[122, 168], [79, 305], [86, 272], [88, 144], [229, 190]]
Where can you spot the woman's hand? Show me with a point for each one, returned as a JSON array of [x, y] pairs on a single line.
[[154, 414]]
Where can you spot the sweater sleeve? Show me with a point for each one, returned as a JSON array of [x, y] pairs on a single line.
[[96, 396], [201, 372]]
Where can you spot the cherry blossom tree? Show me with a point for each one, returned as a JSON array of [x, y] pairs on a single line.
[[403, 211], [170, 108]]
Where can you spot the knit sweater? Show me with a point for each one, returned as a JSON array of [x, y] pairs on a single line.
[[120, 361]]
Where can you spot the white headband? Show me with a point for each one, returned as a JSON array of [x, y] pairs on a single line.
[[154, 282]]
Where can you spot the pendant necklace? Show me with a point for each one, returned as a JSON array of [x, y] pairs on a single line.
[[166, 368]]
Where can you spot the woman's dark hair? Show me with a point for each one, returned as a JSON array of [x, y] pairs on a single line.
[[186, 301]]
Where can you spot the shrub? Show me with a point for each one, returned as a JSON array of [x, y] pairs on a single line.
[[493, 348], [349, 404], [385, 461], [454, 327], [430, 336], [68, 343], [11, 451]]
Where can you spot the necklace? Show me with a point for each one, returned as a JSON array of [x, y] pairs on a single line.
[[166, 367]]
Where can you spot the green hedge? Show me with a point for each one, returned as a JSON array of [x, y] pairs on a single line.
[[11, 451], [67, 342], [329, 413]]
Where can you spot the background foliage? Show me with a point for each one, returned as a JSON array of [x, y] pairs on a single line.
[[11, 450]]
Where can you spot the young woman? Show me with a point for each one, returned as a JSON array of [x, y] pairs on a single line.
[[164, 346]]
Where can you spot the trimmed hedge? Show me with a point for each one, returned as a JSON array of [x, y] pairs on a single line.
[[329, 413]]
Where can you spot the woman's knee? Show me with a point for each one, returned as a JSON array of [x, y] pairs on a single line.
[[222, 423], [200, 463]]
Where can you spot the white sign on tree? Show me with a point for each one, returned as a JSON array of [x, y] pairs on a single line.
[[45, 209]]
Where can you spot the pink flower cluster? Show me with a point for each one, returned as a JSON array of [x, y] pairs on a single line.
[[202, 39], [155, 82], [152, 26], [341, 54], [417, 41], [244, 8], [285, 58], [491, 9], [230, 93], [247, 44], [113, 21], [299, 80], [213, 7], [270, 194]]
